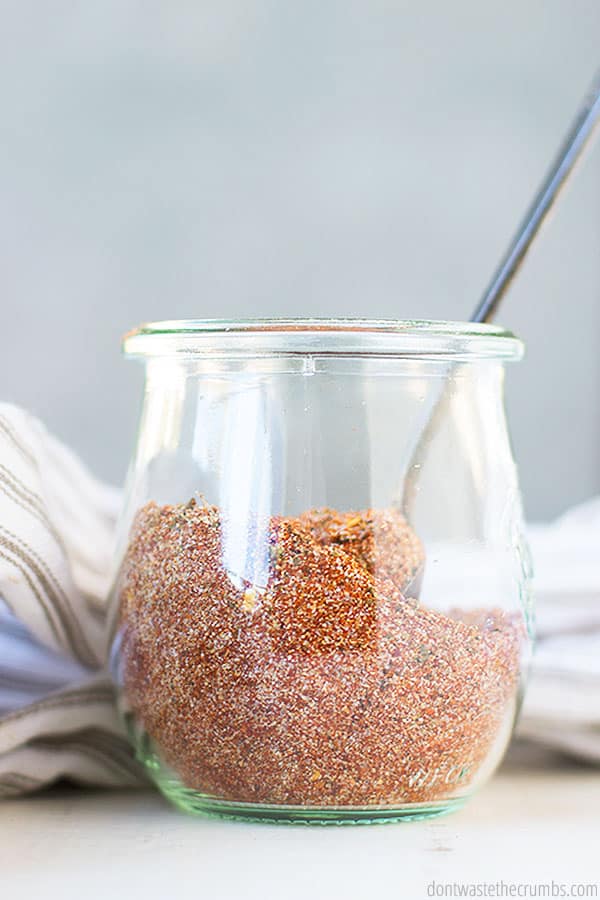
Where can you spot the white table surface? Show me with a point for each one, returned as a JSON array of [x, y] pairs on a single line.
[[536, 821]]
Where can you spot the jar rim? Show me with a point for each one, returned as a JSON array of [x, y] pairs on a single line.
[[425, 338]]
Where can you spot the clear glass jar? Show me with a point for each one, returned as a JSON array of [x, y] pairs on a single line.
[[321, 611]]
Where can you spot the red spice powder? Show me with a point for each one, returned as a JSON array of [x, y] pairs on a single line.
[[331, 685]]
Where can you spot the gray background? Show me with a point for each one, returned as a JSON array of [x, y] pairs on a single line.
[[245, 158]]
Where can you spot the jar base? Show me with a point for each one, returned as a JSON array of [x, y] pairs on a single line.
[[199, 804]]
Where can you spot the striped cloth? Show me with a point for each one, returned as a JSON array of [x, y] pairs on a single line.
[[57, 711], [57, 705]]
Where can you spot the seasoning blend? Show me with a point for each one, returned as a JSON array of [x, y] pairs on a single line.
[[287, 646]]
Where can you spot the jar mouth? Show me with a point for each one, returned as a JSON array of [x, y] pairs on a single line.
[[419, 338]]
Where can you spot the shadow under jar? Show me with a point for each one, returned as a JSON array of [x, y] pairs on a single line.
[[321, 611]]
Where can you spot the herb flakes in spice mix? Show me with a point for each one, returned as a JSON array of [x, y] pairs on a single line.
[[326, 686]]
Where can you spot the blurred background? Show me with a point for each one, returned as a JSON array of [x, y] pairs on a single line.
[[248, 158]]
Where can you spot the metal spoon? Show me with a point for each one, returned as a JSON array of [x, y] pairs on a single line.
[[570, 152], [578, 138]]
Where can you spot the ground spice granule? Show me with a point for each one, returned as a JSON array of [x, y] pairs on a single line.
[[329, 685]]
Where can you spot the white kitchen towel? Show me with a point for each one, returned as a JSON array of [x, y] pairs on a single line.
[[57, 522], [57, 706], [562, 703]]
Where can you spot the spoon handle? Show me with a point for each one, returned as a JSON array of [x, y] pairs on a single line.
[[570, 152], [577, 139]]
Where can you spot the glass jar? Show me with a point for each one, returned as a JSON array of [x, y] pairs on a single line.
[[321, 610]]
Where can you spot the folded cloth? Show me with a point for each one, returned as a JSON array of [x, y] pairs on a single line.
[[57, 704], [562, 703]]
